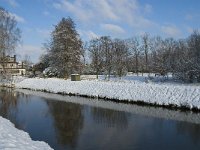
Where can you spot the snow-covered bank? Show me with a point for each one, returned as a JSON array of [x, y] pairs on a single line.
[[167, 95], [12, 138], [10, 82]]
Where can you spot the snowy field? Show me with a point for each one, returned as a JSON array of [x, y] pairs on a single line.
[[137, 78], [130, 88], [13, 139]]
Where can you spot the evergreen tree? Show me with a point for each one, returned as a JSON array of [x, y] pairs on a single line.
[[65, 48]]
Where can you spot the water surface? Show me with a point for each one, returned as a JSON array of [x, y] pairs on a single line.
[[66, 122]]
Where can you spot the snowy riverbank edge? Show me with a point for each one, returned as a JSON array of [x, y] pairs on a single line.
[[13, 138], [167, 95]]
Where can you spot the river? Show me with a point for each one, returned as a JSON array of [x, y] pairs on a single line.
[[71, 122]]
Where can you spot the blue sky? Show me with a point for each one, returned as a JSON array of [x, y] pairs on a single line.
[[93, 18]]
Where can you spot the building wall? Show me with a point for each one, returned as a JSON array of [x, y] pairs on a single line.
[[13, 67]]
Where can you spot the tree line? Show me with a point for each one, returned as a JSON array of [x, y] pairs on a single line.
[[66, 52], [140, 54]]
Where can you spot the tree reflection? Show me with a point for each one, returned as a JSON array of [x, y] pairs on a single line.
[[9, 105], [8, 100], [68, 121], [192, 130], [110, 118]]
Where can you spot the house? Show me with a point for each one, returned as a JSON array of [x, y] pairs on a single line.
[[12, 66]]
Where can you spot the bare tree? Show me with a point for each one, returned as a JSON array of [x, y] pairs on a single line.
[[193, 69], [9, 37], [96, 53], [157, 50], [83, 52], [146, 47], [133, 44], [107, 49], [27, 62], [120, 57]]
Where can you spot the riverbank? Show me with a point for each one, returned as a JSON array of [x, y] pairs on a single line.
[[10, 83], [12, 138], [157, 112], [167, 95]]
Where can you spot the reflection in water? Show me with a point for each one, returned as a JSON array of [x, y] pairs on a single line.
[[110, 118], [68, 121], [8, 99], [8, 104], [191, 130], [77, 123], [157, 112]]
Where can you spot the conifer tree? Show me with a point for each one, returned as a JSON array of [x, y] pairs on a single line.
[[65, 48]]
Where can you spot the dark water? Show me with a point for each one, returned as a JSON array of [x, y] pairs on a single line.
[[98, 125]]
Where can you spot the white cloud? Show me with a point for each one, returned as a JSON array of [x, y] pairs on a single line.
[[112, 28], [108, 14], [171, 30], [91, 35], [76, 9], [18, 18], [127, 11], [86, 9], [106, 9], [88, 35]]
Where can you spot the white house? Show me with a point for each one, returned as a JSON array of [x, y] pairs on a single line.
[[13, 67]]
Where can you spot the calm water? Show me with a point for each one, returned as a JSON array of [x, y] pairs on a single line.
[[78, 123]]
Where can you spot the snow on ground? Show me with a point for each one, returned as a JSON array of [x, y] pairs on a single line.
[[10, 81], [17, 79], [145, 77], [13, 139], [128, 78], [160, 94]]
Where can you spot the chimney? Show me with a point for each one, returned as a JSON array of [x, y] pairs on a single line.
[[14, 58]]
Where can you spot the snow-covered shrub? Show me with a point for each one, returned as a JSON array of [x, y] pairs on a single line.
[[51, 72]]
